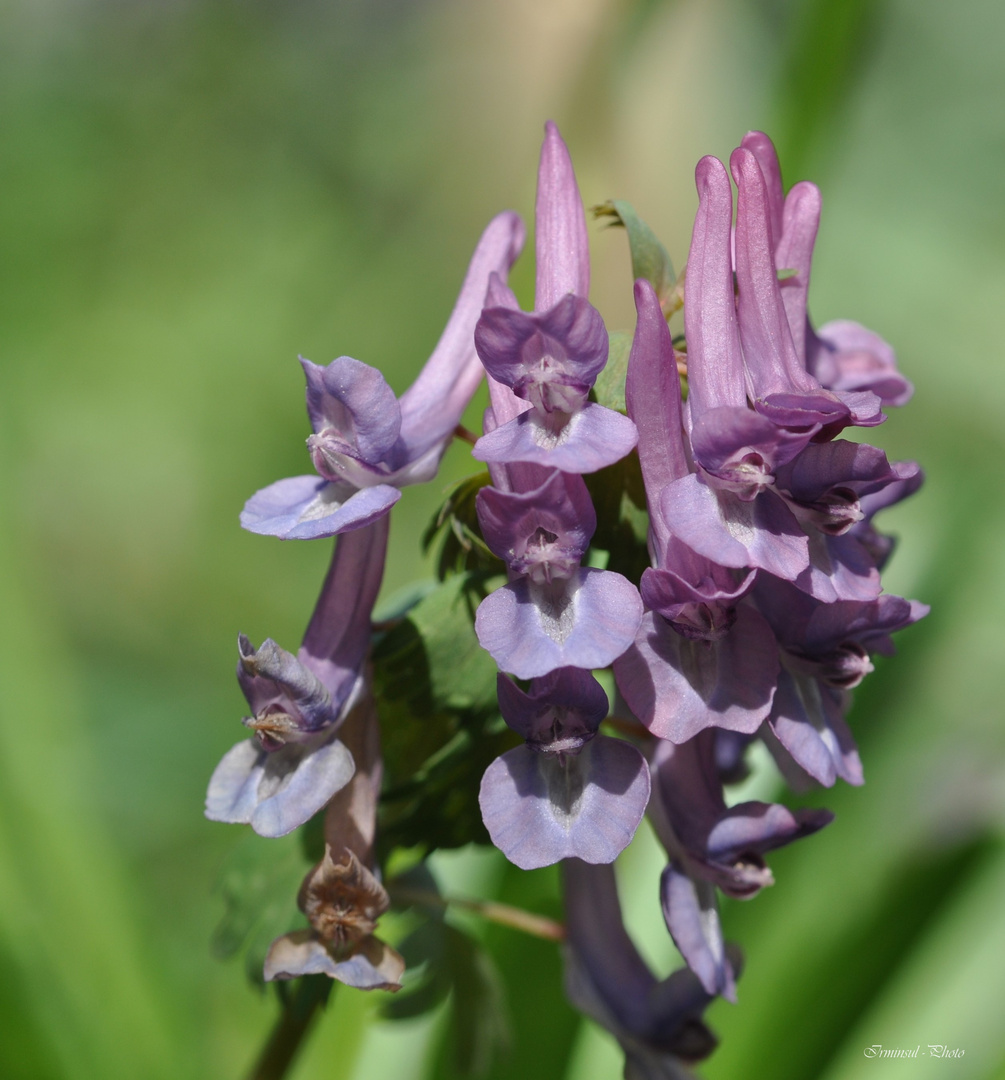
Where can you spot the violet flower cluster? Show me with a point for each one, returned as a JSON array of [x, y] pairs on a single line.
[[567, 792], [756, 618]]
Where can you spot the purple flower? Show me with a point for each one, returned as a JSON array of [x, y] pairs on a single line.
[[727, 511], [295, 763], [699, 659], [711, 845], [366, 443], [342, 896], [825, 653], [842, 355], [658, 1023], [551, 358], [554, 613], [568, 793], [780, 386]]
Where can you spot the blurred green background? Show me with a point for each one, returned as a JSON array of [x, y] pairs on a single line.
[[195, 192]]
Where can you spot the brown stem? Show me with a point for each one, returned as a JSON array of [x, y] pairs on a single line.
[[503, 914], [300, 1006], [461, 432]]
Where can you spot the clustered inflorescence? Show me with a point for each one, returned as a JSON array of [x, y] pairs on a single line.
[[744, 607]]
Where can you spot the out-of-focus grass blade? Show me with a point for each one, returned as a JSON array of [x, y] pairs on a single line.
[[827, 43], [948, 993], [67, 926]]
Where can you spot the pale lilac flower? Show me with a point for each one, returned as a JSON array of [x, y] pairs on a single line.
[[295, 763], [366, 443], [550, 358], [553, 613], [567, 793]]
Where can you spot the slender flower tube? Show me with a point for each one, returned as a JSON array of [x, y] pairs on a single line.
[[366, 443], [780, 386], [295, 763], [712, 846], [727, 510], [658, 1023], [551, 358]]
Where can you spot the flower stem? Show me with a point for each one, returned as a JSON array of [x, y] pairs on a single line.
[[300, 1004], [503, 914]]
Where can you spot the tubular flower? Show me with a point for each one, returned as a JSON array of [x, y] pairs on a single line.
[[701, 658], [366, 443], [551, 358], [658, 1023], [712, 846], [295, 763]]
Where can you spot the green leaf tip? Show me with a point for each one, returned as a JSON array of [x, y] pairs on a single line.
[[649, 257]]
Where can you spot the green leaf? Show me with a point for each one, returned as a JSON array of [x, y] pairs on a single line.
[[619, 497], [462, 547], [609, 388], [479, 1027], [259, 884], [786, 273], [436, 693], [649, 257]]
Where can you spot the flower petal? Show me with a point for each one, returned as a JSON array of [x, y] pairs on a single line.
[[373, 966], [275, 792], [691, 912], [848, 356], [586, 622], [715, 360], [592, 438], [561, 244], [568, 701], [542, 808], [807, 720], [355, 400], [308, 508], [678, 687], [729, 531]]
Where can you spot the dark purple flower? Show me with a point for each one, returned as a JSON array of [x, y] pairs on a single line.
[[658, 1023], [710, 845], [366, 443], [295, 763], [825, 653]]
